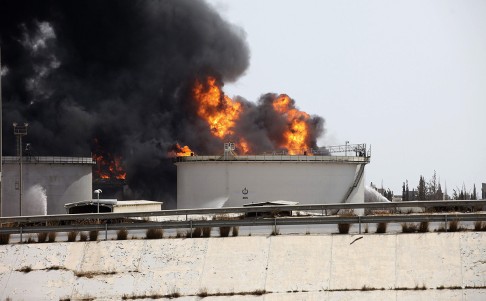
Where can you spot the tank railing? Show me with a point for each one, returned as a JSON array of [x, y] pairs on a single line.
[[49, 159], [271, 157]]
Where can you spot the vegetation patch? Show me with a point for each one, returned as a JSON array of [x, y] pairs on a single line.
[[4, 238], [83, 236], [25, 269], [343, 228], [93, 235], [51, 236], [206, 231], [381, 227], [122, 234], [203, 292], [224, 231], [72, 236], [409, 227], [154, 233], [423, 227], [41, 237], [91, 274]]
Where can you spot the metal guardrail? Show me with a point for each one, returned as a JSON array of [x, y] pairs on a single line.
[[323, 208], [190, 224]]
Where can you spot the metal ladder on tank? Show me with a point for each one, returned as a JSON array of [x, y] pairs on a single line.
[[355, 183]]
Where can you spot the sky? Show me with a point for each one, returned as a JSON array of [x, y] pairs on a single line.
[[406, 77]]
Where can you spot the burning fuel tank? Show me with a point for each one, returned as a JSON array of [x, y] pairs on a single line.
[[227, 181], [46, 183]]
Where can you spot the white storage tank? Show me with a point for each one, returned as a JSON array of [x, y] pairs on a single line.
[[219, 181], [47, 184]]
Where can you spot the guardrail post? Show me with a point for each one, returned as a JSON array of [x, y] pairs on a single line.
[[445, 224], [106, 231], [191, 228], [359, 223], [275, 226], [20, 234]]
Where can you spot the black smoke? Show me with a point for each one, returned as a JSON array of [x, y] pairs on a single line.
[[117, 75]]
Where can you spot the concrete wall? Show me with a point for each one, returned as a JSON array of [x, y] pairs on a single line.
[[204, 184], [332, 267], [45, 185]]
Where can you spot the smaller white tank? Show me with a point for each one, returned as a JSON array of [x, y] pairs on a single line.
[[47, 184]]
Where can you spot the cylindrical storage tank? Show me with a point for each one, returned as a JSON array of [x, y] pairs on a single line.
[[47, 184], [212, 182]]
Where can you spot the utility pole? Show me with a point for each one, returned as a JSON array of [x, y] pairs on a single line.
[[19, 131]]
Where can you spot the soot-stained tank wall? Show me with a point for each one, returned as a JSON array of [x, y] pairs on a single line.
[[213, 184], [48, 184]]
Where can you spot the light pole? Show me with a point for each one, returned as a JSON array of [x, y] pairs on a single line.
[[19, 131], [98, 191], [346, 149]]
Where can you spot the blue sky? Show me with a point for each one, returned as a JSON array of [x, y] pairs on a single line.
[[407, 77]]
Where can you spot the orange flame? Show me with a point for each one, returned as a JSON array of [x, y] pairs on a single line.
[[222, 114], [219, 111], [180, 151], [109, 166], [296, 136]]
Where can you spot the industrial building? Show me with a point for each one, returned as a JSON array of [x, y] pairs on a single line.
[[231, 180], [112, 205]]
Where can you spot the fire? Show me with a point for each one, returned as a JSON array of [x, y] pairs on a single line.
[[109, 166], [296, 136], [219, 111], [243, 146], [222, 114], [180, 151]]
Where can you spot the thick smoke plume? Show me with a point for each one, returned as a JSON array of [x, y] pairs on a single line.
[[118, 75]]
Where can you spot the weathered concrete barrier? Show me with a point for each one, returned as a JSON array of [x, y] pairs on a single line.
[[426, 266]]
